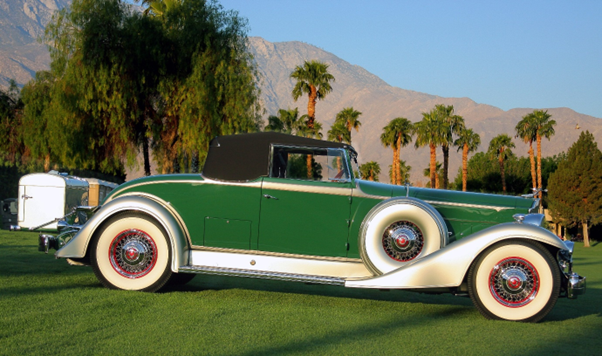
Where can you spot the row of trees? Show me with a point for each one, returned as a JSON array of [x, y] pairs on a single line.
[[162, 83]]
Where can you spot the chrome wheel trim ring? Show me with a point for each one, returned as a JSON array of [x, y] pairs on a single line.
[[402, 241], [133, 253], [514, 282]]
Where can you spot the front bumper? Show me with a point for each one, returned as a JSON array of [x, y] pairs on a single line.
[[575, 285]]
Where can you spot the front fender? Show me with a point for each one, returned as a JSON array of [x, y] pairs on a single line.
[[448, 266], [78, 245]]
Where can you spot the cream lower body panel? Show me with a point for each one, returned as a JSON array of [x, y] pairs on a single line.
[[279, 264]]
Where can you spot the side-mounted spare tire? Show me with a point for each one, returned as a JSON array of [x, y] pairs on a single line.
[[398, 231]]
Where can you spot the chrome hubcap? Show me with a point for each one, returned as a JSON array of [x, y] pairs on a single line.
[[514, 282], [403, 241], [133, 253]]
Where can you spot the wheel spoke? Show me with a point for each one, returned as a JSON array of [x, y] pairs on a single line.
[[133, 253]]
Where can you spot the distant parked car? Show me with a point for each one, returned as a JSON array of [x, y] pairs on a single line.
[[275, 206], [9, 212]]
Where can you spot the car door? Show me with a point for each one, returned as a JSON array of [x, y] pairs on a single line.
[[305, 213]]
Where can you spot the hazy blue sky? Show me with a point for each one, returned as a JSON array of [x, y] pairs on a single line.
[[510, 54]]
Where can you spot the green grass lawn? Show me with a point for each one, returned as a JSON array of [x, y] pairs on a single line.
[[49, 307]]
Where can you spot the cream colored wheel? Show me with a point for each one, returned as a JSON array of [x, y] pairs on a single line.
[[131, 251], [514, 280], [398, 231]]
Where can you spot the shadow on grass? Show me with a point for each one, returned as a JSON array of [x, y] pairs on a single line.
[[349, 336]]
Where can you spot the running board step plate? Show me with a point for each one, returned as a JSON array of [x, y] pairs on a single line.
[[291, 277]]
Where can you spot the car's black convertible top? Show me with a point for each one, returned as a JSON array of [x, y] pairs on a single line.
[[247, 156]]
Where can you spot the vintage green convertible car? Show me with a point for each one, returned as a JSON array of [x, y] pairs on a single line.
[[275, 206]]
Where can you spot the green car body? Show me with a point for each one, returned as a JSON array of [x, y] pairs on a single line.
[[275, 206], [314, 223]]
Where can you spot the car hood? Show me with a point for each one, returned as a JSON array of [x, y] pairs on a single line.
[[444, 196]]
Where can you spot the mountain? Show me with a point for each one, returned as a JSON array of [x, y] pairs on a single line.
[[22, 22], [380, 103]]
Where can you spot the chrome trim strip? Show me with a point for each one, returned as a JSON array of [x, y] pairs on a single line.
[[464, 205], [275, 254], [291, 277], [346, 191], [358, 193], [205, 180], [278, 264]]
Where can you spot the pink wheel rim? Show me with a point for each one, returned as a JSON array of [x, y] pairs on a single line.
[[133, 253], [514, 282]]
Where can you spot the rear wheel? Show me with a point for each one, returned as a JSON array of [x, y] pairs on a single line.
[[514, 280], [131, 251]]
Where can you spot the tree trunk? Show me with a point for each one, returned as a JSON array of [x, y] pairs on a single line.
[[145, 155], [397, 173], [585, 234], [310, 174], [532, 159], [47, 163], [501, 160], [445, 149], [311, 107], [394, 167], [433, 166], [539, 167], [464, 166]]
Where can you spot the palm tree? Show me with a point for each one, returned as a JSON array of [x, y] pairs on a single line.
[[158, 8], [339, 133], [544, 128], [468, 141], [438, 175], [398, 133], [455, 124], [403, 171], [314, 80], [370, 170], [431, 131], [500, 147], [287, 121], [526, 130], [349, 118]]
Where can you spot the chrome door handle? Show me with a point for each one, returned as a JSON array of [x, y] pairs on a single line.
[[25, 196], [267, 196]]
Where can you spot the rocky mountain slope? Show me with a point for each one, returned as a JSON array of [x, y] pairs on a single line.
[[380, 103], [22, 22]]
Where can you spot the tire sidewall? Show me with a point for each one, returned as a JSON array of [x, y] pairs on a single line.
[[534, 254], [100, 250]]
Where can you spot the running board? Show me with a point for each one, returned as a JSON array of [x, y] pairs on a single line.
[[290, 277]]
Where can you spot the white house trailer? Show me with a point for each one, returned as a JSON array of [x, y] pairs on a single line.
[[98, 191], [44, 197]]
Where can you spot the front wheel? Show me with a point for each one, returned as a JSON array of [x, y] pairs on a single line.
[[131, 251], [514, 280]]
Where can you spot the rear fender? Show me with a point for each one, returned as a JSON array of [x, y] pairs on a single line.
[[448, 266], [157, 209]]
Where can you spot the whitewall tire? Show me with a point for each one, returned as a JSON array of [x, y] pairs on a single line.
[[514, 280], [398, 231], [131, 251]]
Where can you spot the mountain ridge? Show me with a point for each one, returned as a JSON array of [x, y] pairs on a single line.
[[23, 21], [380, 102]]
